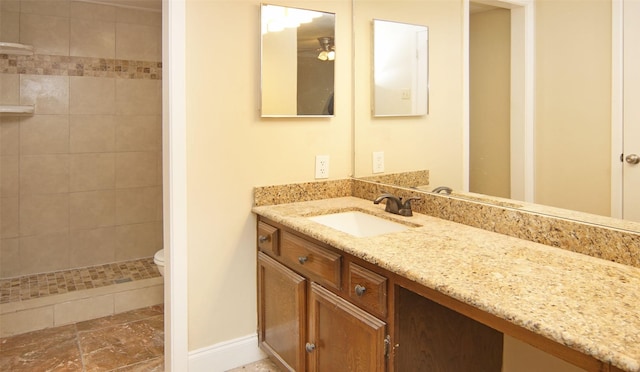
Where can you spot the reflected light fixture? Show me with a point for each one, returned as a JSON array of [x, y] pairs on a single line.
[[327, 49]]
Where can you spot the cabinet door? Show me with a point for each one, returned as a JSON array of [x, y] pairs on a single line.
[[343, 337], [281, 313]]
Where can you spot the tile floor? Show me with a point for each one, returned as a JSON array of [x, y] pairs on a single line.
[[131, 341], [264, 365]]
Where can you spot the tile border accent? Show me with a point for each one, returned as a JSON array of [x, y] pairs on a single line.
[[55, 65]]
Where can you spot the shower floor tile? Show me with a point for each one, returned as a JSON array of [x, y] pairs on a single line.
[[131, 341], [48, 284]]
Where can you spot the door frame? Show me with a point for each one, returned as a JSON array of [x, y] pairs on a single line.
[[522, 96], [617, 122], [174, 170]]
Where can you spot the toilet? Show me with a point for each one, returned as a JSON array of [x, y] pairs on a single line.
[[158, 259]]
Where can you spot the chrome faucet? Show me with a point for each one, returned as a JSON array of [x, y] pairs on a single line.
[[395, 205], [440, 189]]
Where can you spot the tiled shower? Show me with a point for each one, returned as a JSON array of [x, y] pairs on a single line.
[[81, 177]]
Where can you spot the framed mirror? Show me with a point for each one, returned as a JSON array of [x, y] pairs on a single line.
[[297, 62], [400, 69]]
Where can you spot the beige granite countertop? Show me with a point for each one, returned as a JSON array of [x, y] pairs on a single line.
[[586, 303]]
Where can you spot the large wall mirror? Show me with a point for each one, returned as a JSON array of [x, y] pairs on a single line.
[[400, 66], [297, 58], [572, 80]]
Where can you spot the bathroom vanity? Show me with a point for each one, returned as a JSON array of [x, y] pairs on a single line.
[[438, 296]]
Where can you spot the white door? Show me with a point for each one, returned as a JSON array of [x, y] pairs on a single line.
[[631, 111]]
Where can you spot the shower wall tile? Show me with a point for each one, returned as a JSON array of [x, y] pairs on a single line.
[[92, 133], [138, 240], [49, 94], [92, 172], [9, 135], [136, 169], [47, 34], [58, 8], [10, 171], [26, 320], [92, 96], [43, 214], [139, 17], [92, 247], [10, 5], [10, 262], [92, 209], [92, 38], [84, 173], [9, 88], [138, 97], [159, 180], [9, 218], [138, 298], [44, 134], [9, 26], [84, 309], [138, 42], [137, 205], [44, 174], [82, 10], [139, 133], [35, 259]]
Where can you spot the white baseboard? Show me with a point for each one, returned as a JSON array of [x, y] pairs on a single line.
[[226, 355]]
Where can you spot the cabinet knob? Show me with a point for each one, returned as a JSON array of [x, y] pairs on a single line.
[[310, 347], [303, 259], [360, 290], [263, 239]]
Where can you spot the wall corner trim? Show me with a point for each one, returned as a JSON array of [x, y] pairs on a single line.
[[226, 355]]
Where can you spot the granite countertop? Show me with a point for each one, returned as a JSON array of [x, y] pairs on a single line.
[[586, 303]]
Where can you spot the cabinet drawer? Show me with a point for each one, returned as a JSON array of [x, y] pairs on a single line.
[[368, 289], [268, 238], [314, 261]]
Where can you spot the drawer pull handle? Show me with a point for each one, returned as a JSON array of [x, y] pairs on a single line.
[[263, 239], [360, 290], [310, 347], [303, 259]]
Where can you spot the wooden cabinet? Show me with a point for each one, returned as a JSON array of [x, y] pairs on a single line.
[[281, 313], [435, 338], [342, 337], [314, 261], [302, 325], [323, 310]]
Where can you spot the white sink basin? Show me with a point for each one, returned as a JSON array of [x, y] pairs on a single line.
[[359, 224]]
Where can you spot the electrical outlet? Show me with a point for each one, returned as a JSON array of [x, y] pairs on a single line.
[[378, 161], [322, 166]]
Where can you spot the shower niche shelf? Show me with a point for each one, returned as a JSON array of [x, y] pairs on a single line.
[[16, 48], [16, 110]]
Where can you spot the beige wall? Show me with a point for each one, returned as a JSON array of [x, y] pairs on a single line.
[[434, 141], [231, 150], [573, 104], [278, 82], [81, 178], [489, 103]]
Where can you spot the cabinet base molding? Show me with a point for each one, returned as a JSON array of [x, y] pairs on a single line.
[[226, 355]]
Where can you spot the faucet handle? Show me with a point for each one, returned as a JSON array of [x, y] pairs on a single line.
[[405, 209]]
